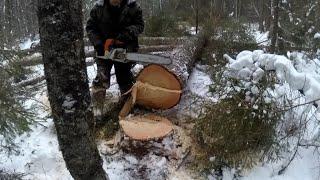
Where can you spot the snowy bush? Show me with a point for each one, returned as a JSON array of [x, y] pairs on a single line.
[[241, 128], [267, 109], [267, 106]]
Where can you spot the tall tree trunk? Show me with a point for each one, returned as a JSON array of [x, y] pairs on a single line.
[[31, 19], [2, 27], [197, 15], [260, 11], [237, 9], [219, 8], [317, 23], [61, 34], [275, 28], [7, 22]]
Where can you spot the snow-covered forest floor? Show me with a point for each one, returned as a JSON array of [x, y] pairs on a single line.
[[38, 155]]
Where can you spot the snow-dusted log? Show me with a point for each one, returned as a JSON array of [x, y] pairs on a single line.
[[30, 82]]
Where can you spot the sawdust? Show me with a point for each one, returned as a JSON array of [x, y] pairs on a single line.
[[157, 159]]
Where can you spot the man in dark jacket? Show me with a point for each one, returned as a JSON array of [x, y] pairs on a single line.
[[119, 20]]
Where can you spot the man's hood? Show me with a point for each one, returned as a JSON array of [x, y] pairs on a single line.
[[101, 2]]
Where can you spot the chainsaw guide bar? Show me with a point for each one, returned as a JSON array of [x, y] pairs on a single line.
[[121, 55]]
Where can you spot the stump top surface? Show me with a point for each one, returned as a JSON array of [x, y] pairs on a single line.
[[146, 127]]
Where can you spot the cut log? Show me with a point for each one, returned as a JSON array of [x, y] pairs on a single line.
[[183, 58], [155, 88]]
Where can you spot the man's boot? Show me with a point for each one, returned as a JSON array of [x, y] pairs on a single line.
[[99, 86]]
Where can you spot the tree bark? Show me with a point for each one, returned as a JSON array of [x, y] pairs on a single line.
[[61, 34]]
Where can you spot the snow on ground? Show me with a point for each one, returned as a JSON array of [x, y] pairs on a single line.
[[28, 43], [199, 83], [37, 70], [40, 158], [305, 166], [38, 155], [154, 160], [260, 37], [195, 94]]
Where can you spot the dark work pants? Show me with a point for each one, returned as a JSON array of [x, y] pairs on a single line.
[[123, 73]]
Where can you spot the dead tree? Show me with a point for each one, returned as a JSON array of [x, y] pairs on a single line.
[[61, 34]]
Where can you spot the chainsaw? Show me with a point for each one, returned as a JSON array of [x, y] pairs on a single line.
[[114, 52]]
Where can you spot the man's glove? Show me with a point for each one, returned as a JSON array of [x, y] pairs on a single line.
[[124, 36], [99, 49]]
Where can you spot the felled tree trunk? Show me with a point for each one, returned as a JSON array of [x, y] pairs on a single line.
[[62, 47], [183, 58]]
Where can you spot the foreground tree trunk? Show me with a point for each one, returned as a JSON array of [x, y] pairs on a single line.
[[61, 34]]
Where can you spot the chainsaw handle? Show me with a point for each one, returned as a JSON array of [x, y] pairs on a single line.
[[108, 45]]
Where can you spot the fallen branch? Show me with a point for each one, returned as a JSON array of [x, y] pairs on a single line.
[[184, 159], [299, 105], [284, 167], [36, 80], [30, 82], [313, 144]]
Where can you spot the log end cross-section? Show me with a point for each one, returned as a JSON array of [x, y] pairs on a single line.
[[156, 88]]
